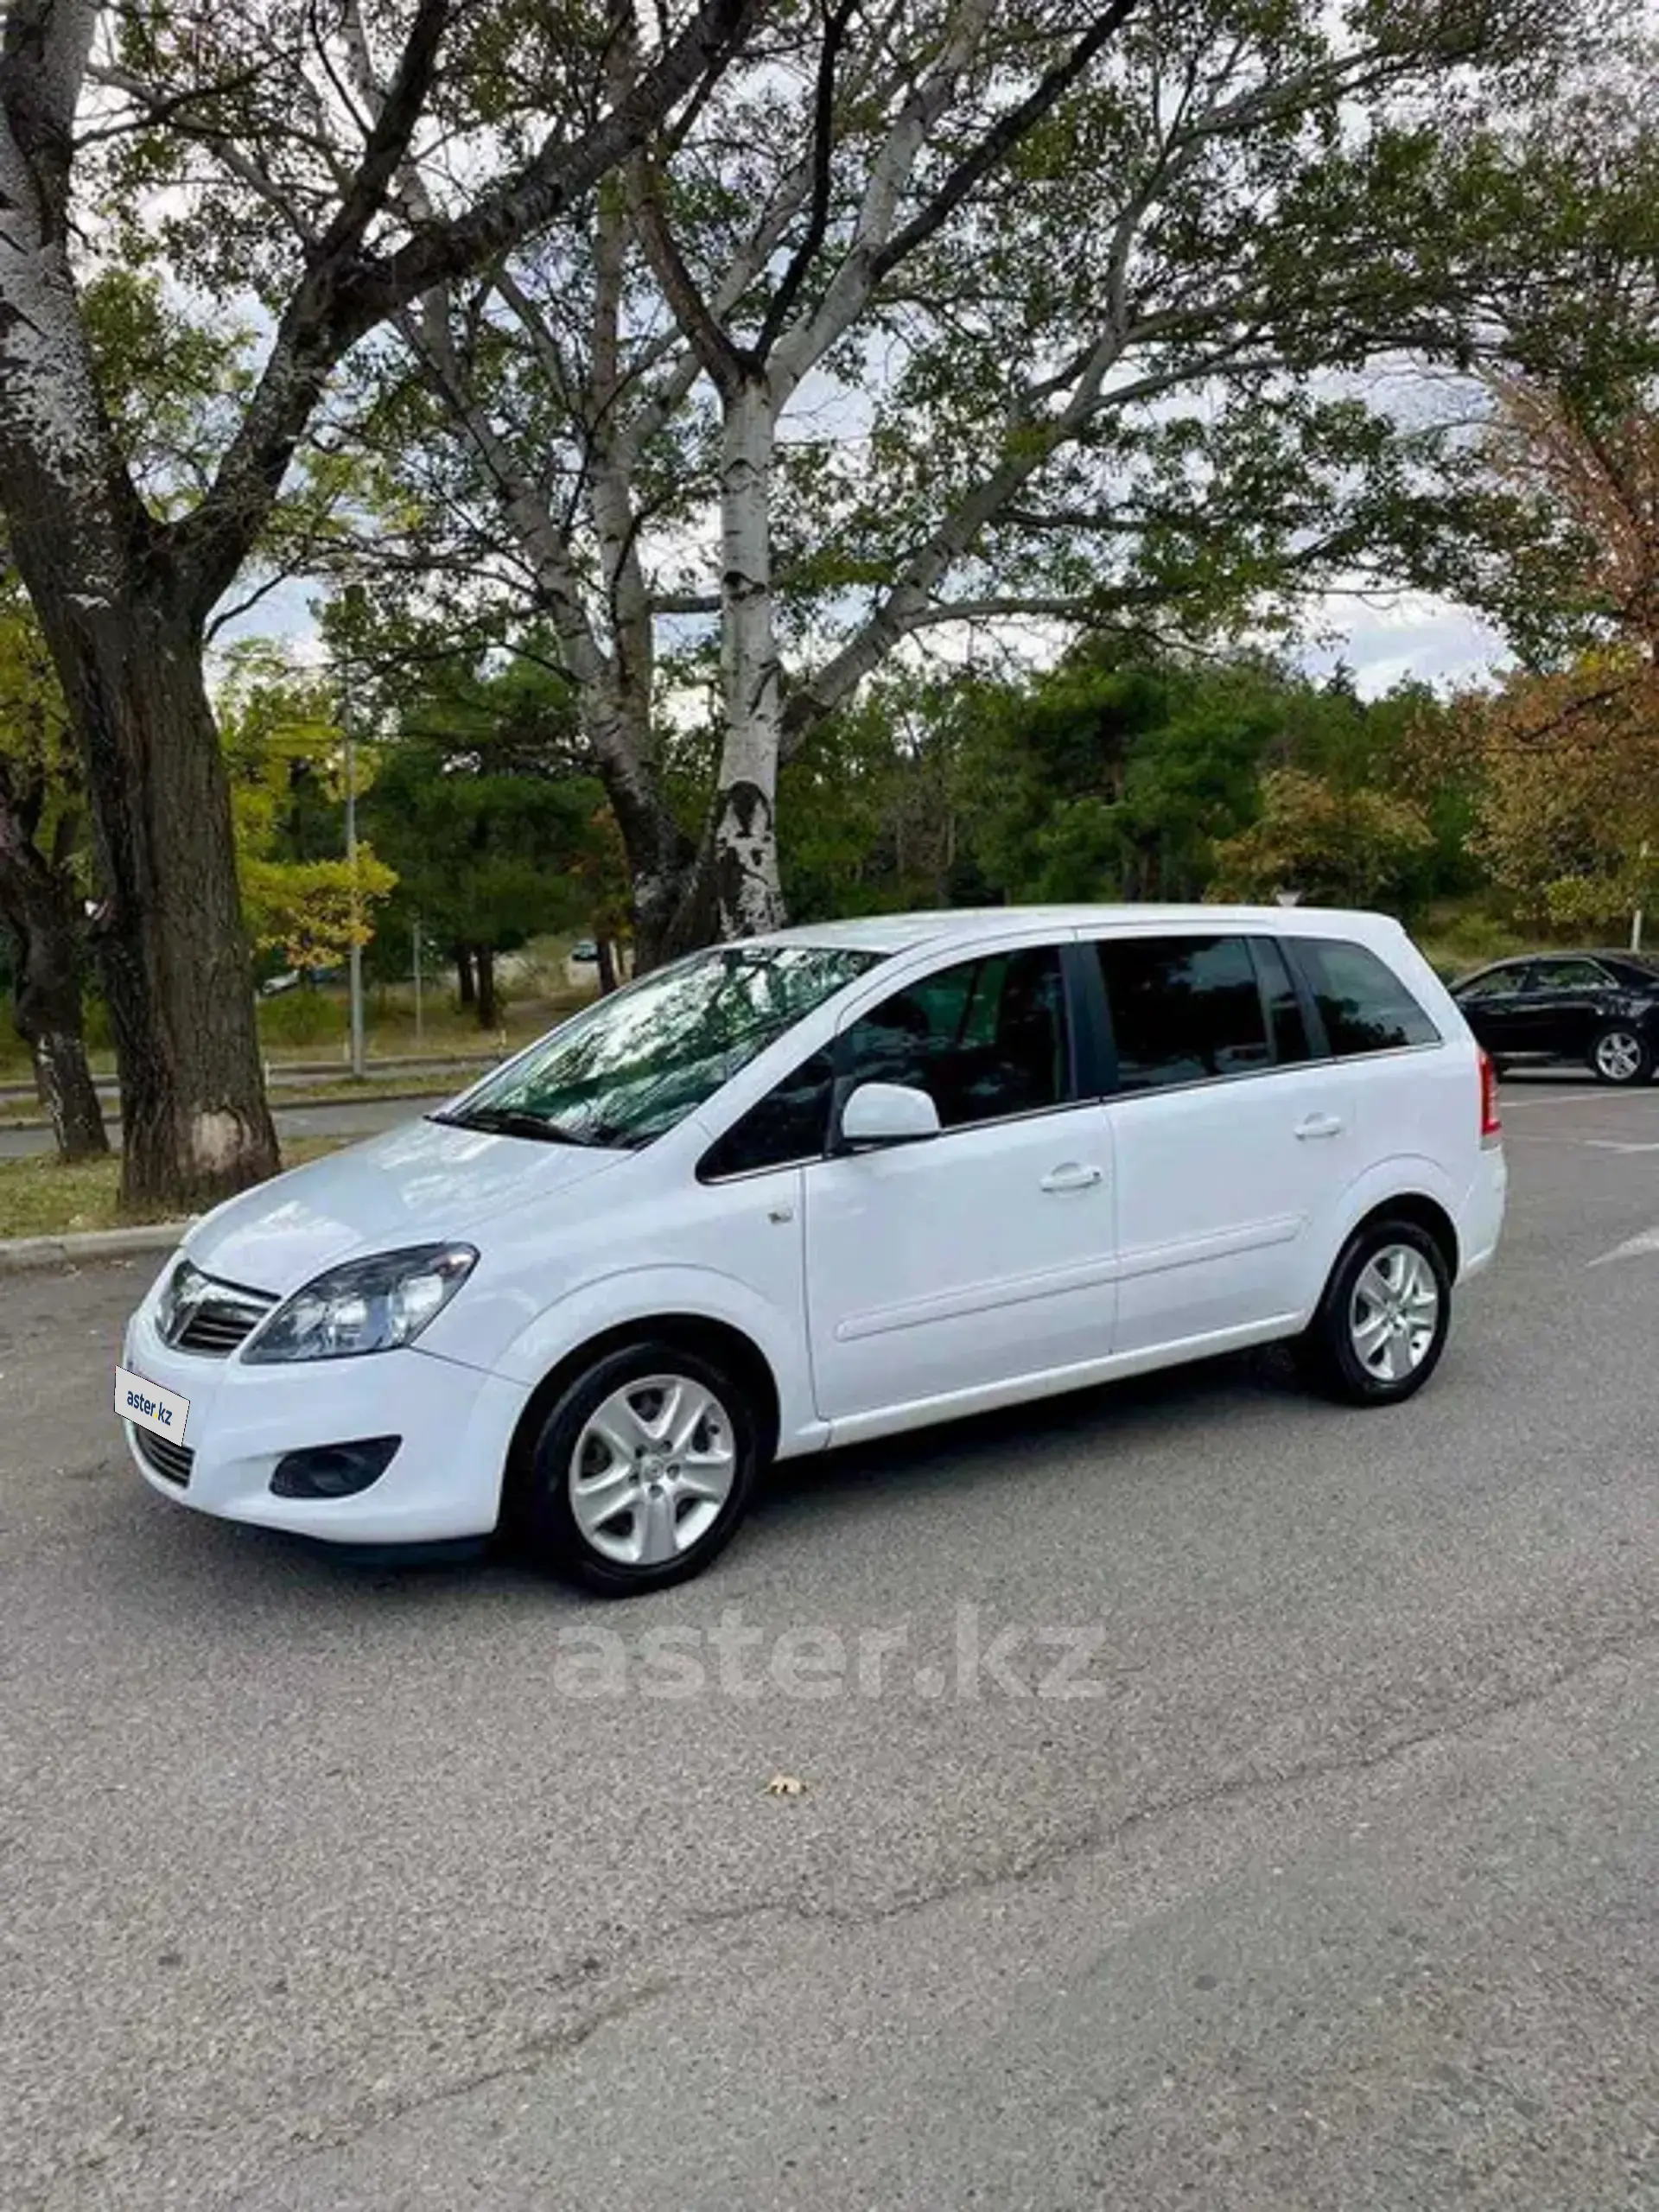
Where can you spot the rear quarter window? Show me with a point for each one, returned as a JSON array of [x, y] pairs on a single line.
[[1362, 1002]]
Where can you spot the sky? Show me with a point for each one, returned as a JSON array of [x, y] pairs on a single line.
[[1381, 640], [1411, 635]]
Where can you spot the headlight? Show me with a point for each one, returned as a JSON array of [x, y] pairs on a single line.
[[178, 1287], [372, 1305]]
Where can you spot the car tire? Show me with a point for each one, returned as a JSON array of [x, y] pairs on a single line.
[[622, 1493], [1378, 1332], [1621, 1055]]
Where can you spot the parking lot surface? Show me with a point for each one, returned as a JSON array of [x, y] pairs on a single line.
[[1208, 1797]]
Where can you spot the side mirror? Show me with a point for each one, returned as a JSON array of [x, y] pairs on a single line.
[[887, 1113]]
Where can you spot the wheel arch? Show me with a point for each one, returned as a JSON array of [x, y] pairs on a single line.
[[721, 1342], [1426, 1213]]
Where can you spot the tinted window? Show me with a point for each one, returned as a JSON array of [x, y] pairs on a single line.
[[984, 1040], [1284, 1004], [1363, 1003], [637, 1062], [1183, 1009], [1569, 975], [1493, 983], [789, 1124]]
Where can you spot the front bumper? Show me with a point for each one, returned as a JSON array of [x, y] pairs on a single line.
[[444, 1481]]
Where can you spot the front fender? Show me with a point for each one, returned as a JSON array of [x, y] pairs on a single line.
[[636, 1296]]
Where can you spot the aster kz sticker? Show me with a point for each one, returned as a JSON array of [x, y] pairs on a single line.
[[151, 1407]]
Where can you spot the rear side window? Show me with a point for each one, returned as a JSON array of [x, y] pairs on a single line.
[[1183, 1008], [1284, 1003], [1363, 1003], [1569, 975]]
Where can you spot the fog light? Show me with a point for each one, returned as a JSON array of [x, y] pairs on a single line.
[[334, 1470]]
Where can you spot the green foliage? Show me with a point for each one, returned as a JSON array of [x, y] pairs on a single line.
[[302, 1016], [1128, 774], [1330, 847], [478, 803], [282, 741]]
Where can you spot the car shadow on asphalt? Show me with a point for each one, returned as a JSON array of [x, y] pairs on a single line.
[[177, 1553]]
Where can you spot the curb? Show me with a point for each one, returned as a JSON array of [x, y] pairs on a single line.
[[279, 1105], [18, 1254]]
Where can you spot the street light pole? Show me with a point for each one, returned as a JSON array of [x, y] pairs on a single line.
[[355, 954], [414, 949], [1640, 915]]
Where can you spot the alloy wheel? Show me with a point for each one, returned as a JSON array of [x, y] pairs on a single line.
[[1618, 1055], [1394, 1313], [651, 1469]]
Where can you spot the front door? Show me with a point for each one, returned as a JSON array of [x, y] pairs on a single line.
[[982, 1255], [1558, 1012]]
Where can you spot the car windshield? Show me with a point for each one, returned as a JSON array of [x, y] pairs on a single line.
[[634, 1064]]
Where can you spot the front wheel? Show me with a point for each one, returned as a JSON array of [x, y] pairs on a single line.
[[641, 1472], [1382, 1323], [1621, 1055]]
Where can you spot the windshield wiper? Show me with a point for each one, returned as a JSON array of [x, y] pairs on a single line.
[[508, 1121]]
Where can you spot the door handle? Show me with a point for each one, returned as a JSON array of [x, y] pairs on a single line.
[[1321, 1125], [1074, 1176]]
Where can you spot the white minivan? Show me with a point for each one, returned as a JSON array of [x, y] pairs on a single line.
[[822, 1185]]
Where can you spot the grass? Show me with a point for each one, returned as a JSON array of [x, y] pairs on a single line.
[[40, 1198]]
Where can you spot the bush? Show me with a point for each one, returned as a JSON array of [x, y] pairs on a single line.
[[302, 1017]]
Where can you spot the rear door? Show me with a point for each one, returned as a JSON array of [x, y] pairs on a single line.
[[1233, 1141]]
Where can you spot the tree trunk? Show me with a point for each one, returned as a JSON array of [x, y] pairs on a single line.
[[746, 882], [168, 937], [39, 903], [46, 1010], [664, 864], [484, 959], [466, 983], [607, 962]]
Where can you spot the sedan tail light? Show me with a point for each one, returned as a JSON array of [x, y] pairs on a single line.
[[1491, 1125]]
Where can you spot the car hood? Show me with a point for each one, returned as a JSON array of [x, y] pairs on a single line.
[[426, 1182]]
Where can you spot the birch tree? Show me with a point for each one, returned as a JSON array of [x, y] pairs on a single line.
[[941, 317], [281, 187]]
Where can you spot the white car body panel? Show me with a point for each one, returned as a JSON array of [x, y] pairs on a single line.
[[884, 1289]]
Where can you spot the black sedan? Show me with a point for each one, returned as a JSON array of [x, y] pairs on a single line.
[[1599, 1007]]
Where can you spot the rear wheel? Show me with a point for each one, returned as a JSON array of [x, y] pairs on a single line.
[[641, 1472], [1382, 1324], [1620, 1055]]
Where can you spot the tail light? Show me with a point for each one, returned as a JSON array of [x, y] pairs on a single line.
[[1491, 1125]]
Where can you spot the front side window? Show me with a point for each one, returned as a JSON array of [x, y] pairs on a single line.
[[1363, 1003], [985, 1039], [789, 1125], [634, 1064], [1496, 982], [1184, 1009]]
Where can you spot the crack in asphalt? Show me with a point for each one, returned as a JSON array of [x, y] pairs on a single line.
[[546, 2043]]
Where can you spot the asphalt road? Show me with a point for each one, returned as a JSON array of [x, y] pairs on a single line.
[[343, 1117], [327, 1888]]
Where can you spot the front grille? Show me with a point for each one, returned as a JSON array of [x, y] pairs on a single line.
[[212, 1317], [218, 1326], [173, 1462]]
